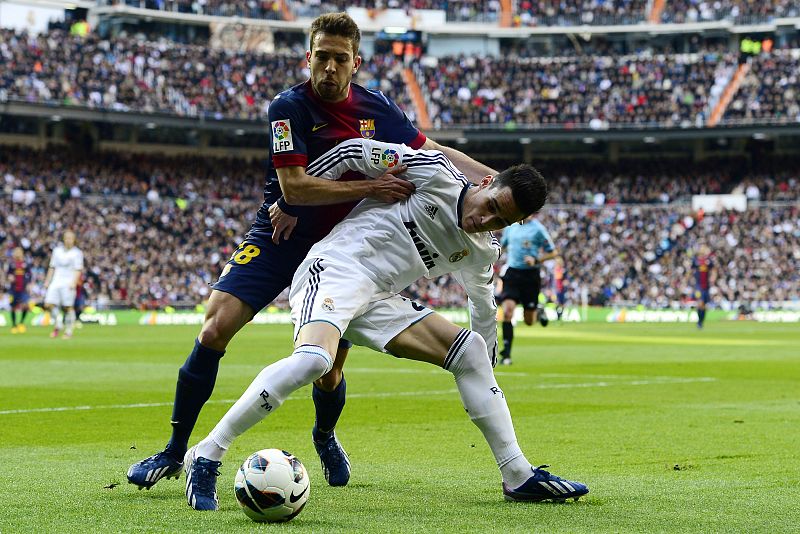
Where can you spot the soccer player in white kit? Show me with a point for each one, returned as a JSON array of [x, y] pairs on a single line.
[[66, 266], [347, 286]]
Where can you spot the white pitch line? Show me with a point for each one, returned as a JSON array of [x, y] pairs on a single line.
[[376, 395]]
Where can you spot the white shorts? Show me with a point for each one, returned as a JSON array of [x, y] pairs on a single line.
[[63, 296], [323, 290]]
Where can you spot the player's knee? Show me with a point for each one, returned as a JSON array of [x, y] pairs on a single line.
[[330, 380], [216, 332], [472, 357], [317, 362]]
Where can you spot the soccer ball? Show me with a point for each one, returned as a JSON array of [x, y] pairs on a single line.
[[272, 485]]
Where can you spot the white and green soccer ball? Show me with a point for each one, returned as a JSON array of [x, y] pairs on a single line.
[[272, 485]]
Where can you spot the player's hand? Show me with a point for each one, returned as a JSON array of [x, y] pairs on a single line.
[[389, 188], [282, 223], [530, 260]]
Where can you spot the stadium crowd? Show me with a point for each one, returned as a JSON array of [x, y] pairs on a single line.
[[599, 91], [524, 12], [156, 231], [740, 11], [127, 74], [770, 91], [579, 12]]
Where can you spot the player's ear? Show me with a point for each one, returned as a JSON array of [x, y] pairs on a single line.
[[486, 180], [308, 57], [356, 64]]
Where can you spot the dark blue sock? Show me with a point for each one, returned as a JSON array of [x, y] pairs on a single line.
[[328, 406], [508, 337], [195, 383], [701, 316]]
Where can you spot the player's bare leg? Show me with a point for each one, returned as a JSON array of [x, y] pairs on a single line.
[[530, 315], [508, 306], [69, 321], [225, 316], [55, 316], [464, 353]]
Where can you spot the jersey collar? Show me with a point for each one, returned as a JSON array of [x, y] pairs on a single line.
[[460, 207]]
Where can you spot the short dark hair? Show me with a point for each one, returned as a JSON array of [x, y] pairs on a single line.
[[339, 24], [528, 187]]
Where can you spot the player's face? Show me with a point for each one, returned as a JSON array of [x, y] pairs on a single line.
[[69, 239], [17, 254], [489, 208], [332, 65]]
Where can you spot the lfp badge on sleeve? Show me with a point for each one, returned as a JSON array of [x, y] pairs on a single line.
[[282, 136]]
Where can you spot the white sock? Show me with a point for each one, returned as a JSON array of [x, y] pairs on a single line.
[[266, 393], [485, 403], [70, 321], [59, 320]]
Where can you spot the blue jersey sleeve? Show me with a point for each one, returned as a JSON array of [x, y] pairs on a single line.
[[548, 245], [289, 133], [406, 132]]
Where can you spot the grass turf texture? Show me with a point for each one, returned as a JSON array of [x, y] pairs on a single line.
[[673, 429]]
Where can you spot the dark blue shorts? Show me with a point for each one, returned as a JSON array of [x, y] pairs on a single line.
[[561, 297], [702, 294], [258, 271], [19, 298]]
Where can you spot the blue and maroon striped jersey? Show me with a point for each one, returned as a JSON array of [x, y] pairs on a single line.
[[303, 127], [20, 273]]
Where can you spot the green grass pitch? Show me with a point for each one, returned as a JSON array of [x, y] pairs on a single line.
[[673, 429]]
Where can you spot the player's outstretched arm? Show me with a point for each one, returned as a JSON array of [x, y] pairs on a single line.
[[301, 189], [474, 170], [318, 191], [477, 282]]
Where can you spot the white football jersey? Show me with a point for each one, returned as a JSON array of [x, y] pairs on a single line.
[[396, 244], [65, 264]]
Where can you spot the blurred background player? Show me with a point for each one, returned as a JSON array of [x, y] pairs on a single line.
[[559, 278], [66, 266], [19, 276], [522, 281], [702, 265]]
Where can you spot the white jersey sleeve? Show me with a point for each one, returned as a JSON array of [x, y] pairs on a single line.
[[477, 282], [77, 260], [370, 158]]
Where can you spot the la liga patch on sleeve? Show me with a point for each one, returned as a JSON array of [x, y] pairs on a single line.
[[282, 136]]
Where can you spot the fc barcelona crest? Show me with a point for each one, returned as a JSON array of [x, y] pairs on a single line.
[[367, 128]]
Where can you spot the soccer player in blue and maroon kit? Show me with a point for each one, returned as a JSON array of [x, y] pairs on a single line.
[[298, 210], [702, 270], [19, 276]]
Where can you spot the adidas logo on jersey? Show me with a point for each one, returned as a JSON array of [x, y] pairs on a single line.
[[431, 211]]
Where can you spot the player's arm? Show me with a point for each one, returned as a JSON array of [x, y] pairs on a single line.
[[372, 159], [477, 282], [411, 136], [549, 249], [474, 170], [302, 189], [77, 265], [530, 260], [49, 277]]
